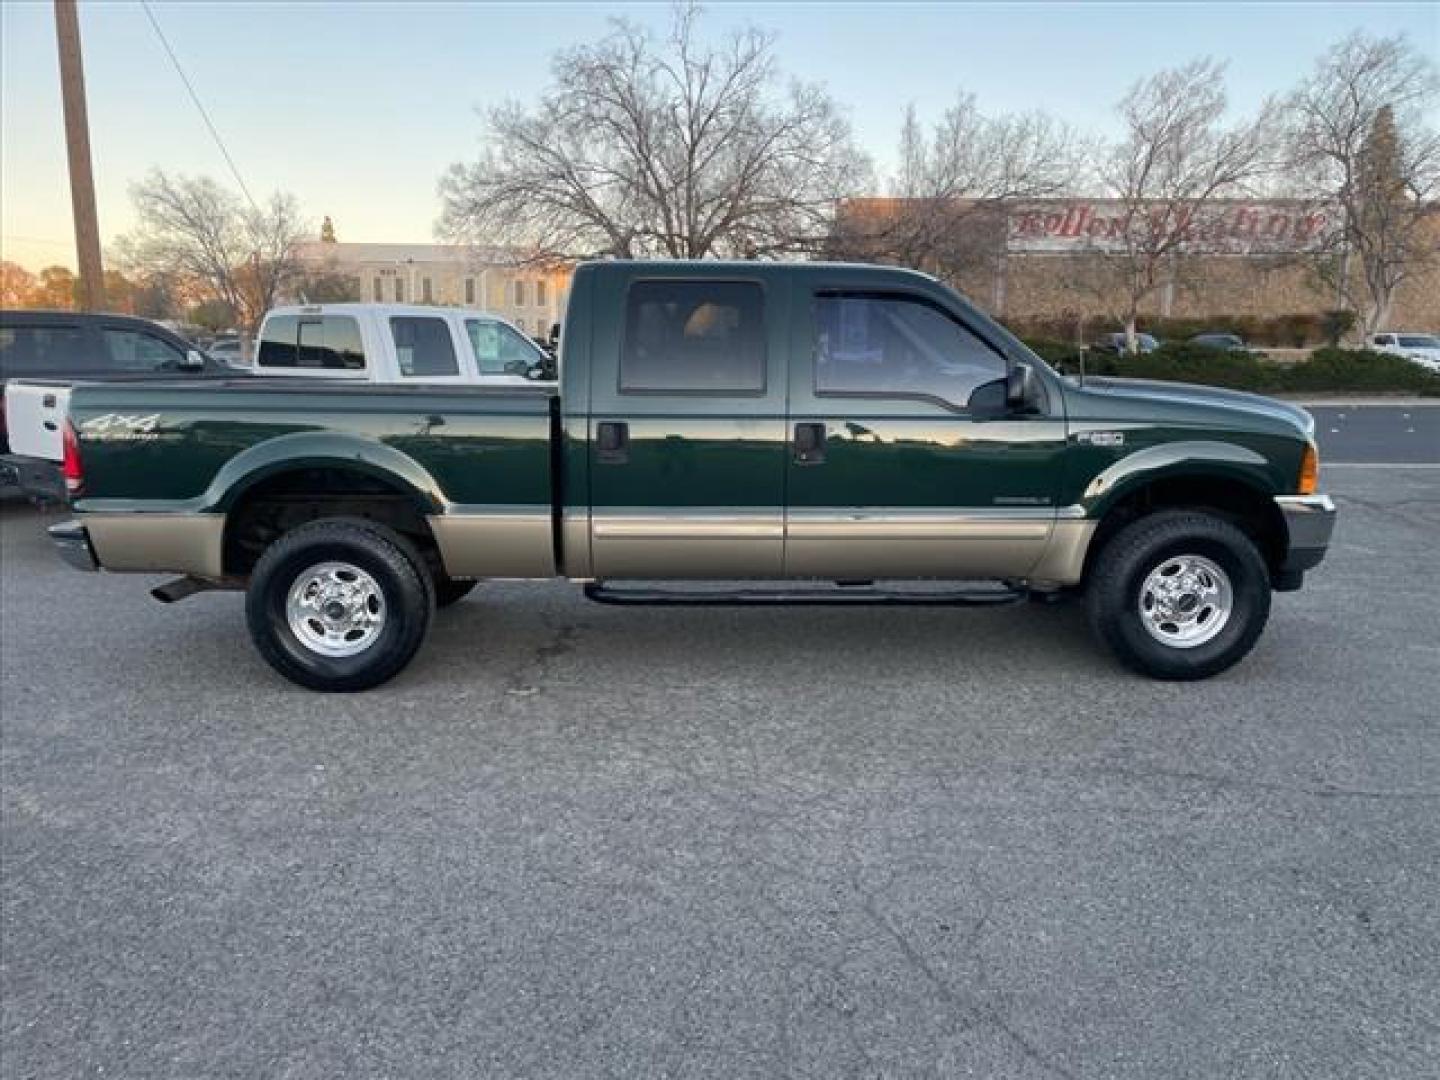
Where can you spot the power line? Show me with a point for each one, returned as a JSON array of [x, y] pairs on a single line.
[[144, 4]]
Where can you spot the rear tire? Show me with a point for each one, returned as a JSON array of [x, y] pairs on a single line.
[[1179, 594], [339, 605]]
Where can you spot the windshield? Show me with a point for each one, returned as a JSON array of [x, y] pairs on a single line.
[[1420, 341]]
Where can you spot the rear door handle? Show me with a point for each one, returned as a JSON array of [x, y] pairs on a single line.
[[809, 444], [612, 442]]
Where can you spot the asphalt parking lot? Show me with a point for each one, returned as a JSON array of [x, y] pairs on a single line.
[[576, 841]]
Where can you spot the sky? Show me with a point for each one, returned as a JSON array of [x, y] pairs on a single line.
[[357, 108]]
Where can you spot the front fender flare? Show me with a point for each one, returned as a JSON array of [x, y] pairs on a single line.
[[1200, 458]]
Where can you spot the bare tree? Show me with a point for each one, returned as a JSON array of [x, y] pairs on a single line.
[[1177, 157], [193, 228], [672, 148], [1357, 139], [953, 187]]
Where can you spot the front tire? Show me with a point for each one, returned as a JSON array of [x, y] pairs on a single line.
[[1179, 594], [339, 605]]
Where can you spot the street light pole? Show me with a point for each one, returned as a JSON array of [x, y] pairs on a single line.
[[77, 145]]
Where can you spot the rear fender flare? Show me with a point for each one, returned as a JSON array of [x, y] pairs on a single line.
[[322, 450]]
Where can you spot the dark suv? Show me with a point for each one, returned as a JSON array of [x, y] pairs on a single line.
[[55, 348]]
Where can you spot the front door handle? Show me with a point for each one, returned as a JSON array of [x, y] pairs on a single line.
[[612, 442], [809, 444]]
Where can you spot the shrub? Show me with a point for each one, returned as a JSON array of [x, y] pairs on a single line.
[[1328, 370]]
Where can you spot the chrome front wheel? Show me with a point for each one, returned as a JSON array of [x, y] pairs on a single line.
[[1186, 601]]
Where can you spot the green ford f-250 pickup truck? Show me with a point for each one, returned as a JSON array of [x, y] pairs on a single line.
[[791, 424]]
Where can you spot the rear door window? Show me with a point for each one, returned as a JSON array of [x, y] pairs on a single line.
[[424, 347], [39, 351], [694, 337]]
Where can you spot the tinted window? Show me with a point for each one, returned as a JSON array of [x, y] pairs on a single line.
[[891, 346], [45, 350], [331, 342], [134, 350], [277, 342], [1418, 341], [499, 350], [689, 336], [423, 347]]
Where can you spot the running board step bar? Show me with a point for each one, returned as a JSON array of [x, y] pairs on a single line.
[[768, 596]]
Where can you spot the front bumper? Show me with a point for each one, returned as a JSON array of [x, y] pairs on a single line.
[[1309, 521], [73, 543]]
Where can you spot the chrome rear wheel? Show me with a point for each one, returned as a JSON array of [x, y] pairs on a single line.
[[335, 609]]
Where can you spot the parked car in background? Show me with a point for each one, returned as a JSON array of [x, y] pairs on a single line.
[[1222, 341], [230, 352], [1115, 343], [397, 343], [1422, 349], [52, 349]]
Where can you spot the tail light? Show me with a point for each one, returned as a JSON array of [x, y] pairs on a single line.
[[1309, 471], [70, 466]]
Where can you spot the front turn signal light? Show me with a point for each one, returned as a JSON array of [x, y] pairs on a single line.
[[1309, 470]]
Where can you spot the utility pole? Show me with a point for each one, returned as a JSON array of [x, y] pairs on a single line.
[[77, 145]]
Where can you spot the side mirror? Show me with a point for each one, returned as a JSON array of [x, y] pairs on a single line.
[[1022, 389], [194, 361]]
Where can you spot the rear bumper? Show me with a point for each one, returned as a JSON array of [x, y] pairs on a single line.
[[36, 477], [1309, 522], [72, 541]]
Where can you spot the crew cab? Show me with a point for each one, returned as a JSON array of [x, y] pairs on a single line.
[[721, 433], [397, 344], [52, 349]]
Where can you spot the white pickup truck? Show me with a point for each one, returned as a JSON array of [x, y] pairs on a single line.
[[397, 343]]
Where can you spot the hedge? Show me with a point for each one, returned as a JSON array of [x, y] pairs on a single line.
[[1327, 371], [1291, 331]]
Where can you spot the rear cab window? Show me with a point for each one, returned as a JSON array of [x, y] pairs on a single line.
[[328, 343]]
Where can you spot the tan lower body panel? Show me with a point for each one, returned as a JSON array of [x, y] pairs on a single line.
[[178, 543], [1064, 560], [502, 544], [960, 545], [688, 545]]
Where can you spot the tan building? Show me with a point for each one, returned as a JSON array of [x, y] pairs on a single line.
[[1045, 261], [530, 297]]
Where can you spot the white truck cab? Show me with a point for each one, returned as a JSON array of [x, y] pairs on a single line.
[[397, 343], [1418, 348]]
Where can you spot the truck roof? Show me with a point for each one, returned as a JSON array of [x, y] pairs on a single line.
[[382, 310], [708, 267]]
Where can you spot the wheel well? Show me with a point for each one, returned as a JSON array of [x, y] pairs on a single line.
[[1248, 509], [281, 502]]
